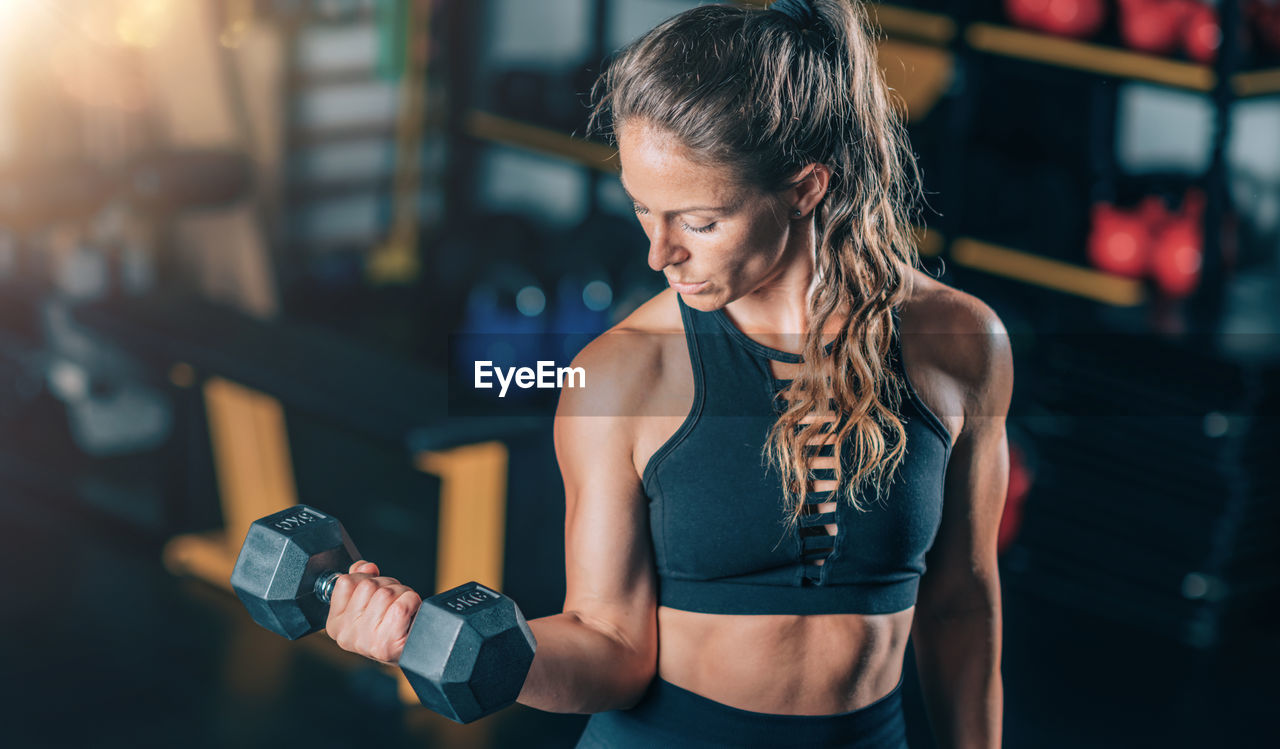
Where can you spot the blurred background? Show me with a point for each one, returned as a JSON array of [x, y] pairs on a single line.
[[241, 242]]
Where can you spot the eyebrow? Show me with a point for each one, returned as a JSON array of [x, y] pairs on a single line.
[[717, 209]]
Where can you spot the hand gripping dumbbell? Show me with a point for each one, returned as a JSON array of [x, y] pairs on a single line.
[[468, 651]]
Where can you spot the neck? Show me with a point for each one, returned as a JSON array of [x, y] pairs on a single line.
[[779, 307]]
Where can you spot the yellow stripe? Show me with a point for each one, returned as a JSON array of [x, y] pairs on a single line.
[[1047, 273], [206, 556], [473, 512], [1095, 58], [928, 242], [490, 127], [250, 455], [1256, 82]]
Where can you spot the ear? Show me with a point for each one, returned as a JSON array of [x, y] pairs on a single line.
[[809, 187]]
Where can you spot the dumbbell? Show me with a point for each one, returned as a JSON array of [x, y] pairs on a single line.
[[468, 651]]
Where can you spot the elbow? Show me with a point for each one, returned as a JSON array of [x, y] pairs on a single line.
[[973, 599], [957, 634], [632, 665], [970, 611], [963, 618], [638, 669], [643, 670]]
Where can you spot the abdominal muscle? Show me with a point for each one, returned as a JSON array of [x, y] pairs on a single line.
[[784, 664]]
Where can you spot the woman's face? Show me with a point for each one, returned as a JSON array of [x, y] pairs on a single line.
[[714, 242]]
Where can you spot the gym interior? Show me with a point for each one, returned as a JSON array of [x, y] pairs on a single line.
[[247, 248]]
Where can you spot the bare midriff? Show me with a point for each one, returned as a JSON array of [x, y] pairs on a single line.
[[784, 664]]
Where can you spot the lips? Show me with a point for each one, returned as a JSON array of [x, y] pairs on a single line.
[[688, 288]]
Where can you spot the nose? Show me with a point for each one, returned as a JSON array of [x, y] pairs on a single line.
[[662, 251]]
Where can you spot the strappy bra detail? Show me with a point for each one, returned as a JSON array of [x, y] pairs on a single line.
[[720, 539]]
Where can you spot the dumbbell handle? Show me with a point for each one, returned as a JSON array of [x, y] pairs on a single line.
[[324, 585]]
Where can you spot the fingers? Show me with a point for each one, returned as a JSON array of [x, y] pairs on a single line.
[[368, 568], [385, 623], [398, 615], [340, 596], [371, 614], [393, 627], [363, 588], [362, 591]]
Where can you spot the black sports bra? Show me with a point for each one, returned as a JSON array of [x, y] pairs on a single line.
[[715, 508]]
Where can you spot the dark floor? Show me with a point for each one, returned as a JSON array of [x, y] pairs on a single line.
[[102, 647]]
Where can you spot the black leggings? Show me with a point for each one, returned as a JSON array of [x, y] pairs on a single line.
[[670, 716]]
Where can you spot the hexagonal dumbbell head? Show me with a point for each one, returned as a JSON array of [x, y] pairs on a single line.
[[285, 567], [468, 653]]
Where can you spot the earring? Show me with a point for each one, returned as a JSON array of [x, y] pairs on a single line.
[[797, 213]]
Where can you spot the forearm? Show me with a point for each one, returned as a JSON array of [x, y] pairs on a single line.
[[958, 660], [579, 668]]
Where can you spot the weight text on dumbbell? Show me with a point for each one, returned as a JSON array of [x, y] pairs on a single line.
[[545, 377], [297, 520], [467, 600]]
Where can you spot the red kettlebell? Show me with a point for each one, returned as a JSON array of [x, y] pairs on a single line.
[[1119, 241], [1026, 13], [1264, 18], [1076, 19], [1202, 34], [1155, 214], [1020, 480], [1153, 26], [1178, 249]]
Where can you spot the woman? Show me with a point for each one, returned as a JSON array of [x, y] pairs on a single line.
[[755, 495]]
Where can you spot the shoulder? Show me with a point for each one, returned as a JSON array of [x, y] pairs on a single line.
[[638, 341], [960, 337], [624, 363]]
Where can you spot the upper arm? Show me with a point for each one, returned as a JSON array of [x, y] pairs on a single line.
[[609, 569], [961, 568]]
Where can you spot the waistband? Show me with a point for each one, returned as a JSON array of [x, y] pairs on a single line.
[[728, 597], [674, 710]]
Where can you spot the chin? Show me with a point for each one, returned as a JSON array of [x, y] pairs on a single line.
[[704, 302]]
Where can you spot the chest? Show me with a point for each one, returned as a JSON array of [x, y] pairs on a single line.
[[673, 394], [717, 510]]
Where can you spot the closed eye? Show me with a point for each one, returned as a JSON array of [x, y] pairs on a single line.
[[695, 229]]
